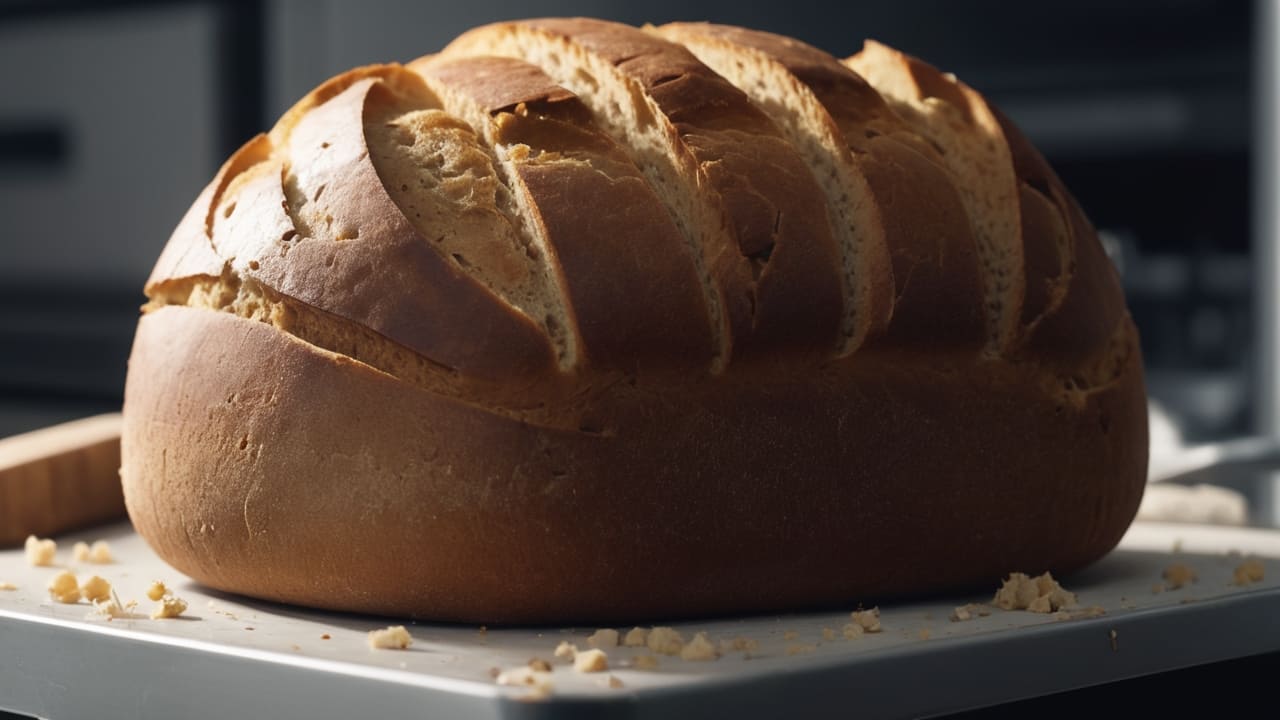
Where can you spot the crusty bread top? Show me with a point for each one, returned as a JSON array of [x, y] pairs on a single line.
[[550, 206], [905, 227], [970, 141], [749, 205], [557, 160]]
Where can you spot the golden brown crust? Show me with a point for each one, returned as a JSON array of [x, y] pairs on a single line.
[[609, 259], [923, 227], [775, 262], [814, 489], [535, 470]]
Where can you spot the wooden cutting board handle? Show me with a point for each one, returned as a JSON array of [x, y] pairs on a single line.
[[60, 478]]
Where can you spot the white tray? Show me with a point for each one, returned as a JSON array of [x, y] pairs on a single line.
[[232, 657]]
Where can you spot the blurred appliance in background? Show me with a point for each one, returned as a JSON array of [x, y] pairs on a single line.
[[1143, 107], [114, 117]]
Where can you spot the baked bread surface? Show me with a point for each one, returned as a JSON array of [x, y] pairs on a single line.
[[574, 321]]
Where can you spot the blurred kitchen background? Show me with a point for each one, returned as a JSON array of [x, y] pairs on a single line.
[[115, 114]]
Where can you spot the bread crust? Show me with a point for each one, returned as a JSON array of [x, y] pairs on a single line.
[[258, 464], [632, 251], [771, 253], [350, 419], [916, 231]]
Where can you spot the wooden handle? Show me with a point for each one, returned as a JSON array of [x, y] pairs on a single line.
[[60, 478]]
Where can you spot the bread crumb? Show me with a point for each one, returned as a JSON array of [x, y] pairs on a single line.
[[325, 636], [800, 649], [1157, 588], [157, 590], [1040, 605], [64, 589], [7, 586], [868, 620], [968, 612], [110, 609], [539, 665], [1041, 594], [790, 635], [591, 661], [566, 650], [699, 649], [665, 641], [645, 662], [95, 589], [635, 637], [1248, 572], [603, 638], [40, 552], [1115, 645], [1178, 575], [851, 631], [168, 607], [925, 633], [100, 553], [743, 644], [614, 682], [535, 680], [80, 552], [828, 634], [395, 637]]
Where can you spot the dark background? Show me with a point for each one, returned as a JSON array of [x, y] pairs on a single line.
[[116, 114]]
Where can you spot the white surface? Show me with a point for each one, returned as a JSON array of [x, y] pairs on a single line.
[[234, 657]]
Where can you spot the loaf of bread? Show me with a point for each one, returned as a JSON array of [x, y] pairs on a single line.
[[575, 321]]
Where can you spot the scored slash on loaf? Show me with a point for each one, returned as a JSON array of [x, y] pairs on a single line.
[[597, 322]]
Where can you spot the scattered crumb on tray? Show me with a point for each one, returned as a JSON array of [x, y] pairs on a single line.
[[98, 553], [1041, 594], [7, 586], [925, 633], [868, 620], [40, 552], [64, 588], [603, 638], [168, 607], [969, 612], [828, 634], [645, 662], [591, 661], [95, 589], [790, 635], [1177, 575], [395, 637], [1248, 572], [636, 637], [539, 665], [851, 631], [800, 649], [156, 590], [665, 641], [1092, 611], [699, 649], [539, 683], [566, 650]]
